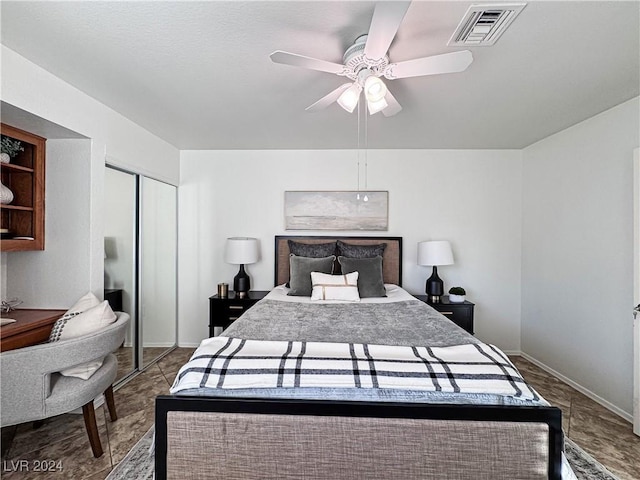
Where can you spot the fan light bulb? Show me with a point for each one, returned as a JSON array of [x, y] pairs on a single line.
[[374, 88], [375, 107], [349, 98]]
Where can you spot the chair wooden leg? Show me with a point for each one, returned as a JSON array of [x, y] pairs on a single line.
[[111, 404], [89, 415]]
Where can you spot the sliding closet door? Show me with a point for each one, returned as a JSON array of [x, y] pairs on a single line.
[[120, 257], [158, 268]]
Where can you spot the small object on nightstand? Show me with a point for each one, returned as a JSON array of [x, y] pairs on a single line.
[[457, 294], [459, 313], [224, 311]]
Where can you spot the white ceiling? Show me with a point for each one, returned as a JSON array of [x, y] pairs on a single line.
[[198, 74]]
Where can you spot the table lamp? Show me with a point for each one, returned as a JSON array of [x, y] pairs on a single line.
[[241, 251], [434, 253]]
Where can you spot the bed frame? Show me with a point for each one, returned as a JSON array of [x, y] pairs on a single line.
[[245, 439]]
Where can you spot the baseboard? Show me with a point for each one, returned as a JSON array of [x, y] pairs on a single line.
[[188, 345], [515, 353], [585, 391]]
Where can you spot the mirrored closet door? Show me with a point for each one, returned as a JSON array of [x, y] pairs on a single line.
[[120, 250], [140, 264], [158, 268]]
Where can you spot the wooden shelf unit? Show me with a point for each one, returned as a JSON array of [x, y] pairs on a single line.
[[24, 176]]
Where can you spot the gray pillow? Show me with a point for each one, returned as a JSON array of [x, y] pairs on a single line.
[[370, 282], [360, 251], [312, 250], [300, 269]]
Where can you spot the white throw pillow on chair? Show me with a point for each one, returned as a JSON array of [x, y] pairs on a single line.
[[76, 323]]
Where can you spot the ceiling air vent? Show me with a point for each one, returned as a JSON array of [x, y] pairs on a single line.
[[482, 25]]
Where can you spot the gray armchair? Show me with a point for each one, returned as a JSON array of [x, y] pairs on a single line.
[[33, 390]]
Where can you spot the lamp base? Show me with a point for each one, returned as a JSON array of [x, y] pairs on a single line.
[[241, 283], [434, 287]]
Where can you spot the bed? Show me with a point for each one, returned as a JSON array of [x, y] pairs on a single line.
[[384, 387]]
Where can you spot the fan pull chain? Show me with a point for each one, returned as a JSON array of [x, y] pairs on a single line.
[[358, 151], [366, 156]]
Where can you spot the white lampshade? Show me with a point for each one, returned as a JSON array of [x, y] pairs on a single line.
[[435, 252], [241, 250]]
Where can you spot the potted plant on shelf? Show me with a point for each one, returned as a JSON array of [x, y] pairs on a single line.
[[9, 148], [456, 294]]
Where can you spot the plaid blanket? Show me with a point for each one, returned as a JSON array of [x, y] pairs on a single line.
[[234, 363]]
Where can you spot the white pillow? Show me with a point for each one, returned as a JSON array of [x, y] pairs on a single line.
[[85, 303], [76, 324], [335, 287]]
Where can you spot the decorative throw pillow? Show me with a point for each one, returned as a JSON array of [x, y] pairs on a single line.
[[312, 250], [370, 282], [350, 250], [300, 269], [85, 303], [76, 324], [335, 287]]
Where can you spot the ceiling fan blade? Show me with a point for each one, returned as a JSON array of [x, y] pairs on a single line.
[[393, 105], [385, 23], [296, 60], [328, 99], [445, 63]]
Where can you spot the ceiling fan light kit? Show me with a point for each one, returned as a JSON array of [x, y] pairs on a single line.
[[374, 89], [366, 61], [377, 106], [349, 98]]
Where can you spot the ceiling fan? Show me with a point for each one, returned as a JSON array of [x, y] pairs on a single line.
[[366, 61]]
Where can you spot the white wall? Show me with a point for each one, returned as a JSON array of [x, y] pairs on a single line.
[[577, 283], [59, 275], [30, 88], [471, 198]]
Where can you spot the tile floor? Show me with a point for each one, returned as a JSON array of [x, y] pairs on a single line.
[[63, 439]]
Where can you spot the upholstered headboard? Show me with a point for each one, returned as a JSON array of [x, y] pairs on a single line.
[[391, 260]]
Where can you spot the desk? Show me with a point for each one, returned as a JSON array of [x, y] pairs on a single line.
[[31, 327]]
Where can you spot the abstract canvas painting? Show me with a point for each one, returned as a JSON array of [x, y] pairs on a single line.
[[347, 210]]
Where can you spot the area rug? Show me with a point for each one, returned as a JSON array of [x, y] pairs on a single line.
[[584, 465], [138, 463]]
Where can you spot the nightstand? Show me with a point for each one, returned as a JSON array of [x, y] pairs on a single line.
[[459, 313], [114, 297], [224, 311]]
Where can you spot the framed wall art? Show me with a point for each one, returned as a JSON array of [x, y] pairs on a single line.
[[343, 210]]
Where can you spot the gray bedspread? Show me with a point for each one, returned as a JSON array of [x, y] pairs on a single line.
[[410, 322]]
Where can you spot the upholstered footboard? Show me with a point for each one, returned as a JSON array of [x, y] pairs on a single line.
[[256, 439]]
